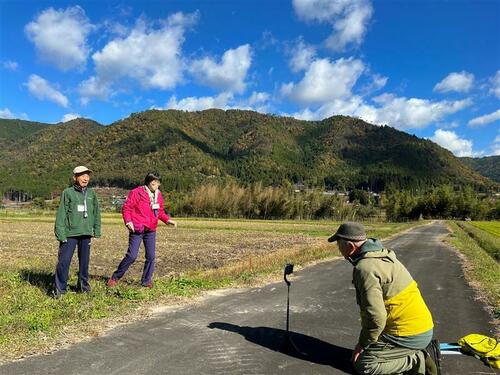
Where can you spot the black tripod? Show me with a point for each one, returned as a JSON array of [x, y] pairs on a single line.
[[288, 345]]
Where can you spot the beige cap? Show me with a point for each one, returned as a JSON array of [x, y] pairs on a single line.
[[81, 169]]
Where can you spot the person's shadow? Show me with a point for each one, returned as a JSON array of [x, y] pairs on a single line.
[[303, 347], [41, 279], [44, 280]]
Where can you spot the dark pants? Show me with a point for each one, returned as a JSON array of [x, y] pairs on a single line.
[[66, 250], [134, 242]]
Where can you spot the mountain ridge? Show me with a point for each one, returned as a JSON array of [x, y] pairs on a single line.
[[192, 148], [488, 166]]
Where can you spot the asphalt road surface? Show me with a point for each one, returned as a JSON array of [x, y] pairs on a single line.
[[241, 331]]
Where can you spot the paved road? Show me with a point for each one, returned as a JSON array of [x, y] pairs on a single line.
[[240, 332]]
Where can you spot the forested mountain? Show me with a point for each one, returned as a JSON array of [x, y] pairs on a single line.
[[488, 166], [192, 148]]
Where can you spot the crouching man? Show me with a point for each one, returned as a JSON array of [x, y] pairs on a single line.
[[396, 325]]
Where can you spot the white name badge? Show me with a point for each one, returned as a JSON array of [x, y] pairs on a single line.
[[155, 206], [80, 208]]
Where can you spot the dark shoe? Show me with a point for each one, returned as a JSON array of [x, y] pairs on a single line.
[[82, 289], [148, 285], [56, 293], [433, 358], [112, 283]]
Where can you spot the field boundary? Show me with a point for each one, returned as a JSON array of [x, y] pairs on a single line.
[[481, 270]]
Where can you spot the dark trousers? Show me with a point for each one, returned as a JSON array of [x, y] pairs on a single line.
[[134, 242], [66, 250]]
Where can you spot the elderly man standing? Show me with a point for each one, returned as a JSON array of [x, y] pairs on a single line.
[[78, 220], [396, 325]]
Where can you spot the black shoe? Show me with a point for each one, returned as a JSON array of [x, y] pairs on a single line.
[[82, 289], [56, 293], [433, 358]]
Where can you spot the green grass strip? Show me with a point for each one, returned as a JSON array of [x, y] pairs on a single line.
[[481, 269], [492, 227], [485, 239]]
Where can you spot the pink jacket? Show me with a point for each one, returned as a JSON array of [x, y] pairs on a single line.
[[137, 209]]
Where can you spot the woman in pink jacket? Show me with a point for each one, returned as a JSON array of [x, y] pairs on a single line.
[[141, 211]]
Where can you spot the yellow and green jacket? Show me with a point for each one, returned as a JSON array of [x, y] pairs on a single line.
[[389, 299]]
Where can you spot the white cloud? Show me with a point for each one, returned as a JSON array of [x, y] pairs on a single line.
[[258, 101], [404, 113], [150, 56], [352, 106], [228, 75], [199, 103], [60, 36], [486, 119], [258, 97], [377, 82], [69, 116], [349, 19], [10, 65], [116, 28], [448, 125], [93, 88], [6, 113], [398, 112], [325, 81], [495, 147], [495, 84], [302, 56], [42, 89], [459, 82], [451, 141]]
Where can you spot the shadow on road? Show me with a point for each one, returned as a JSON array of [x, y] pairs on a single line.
[[308, 348]]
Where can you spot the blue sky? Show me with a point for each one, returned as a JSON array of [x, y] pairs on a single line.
[[429, 68]]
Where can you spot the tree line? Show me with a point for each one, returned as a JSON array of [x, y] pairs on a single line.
[[259, 202], [442, 202], [256, 201]]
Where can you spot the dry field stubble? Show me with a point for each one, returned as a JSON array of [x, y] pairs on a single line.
[[198, 245]]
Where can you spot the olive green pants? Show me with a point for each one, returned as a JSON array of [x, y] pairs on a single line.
[[386, 358]]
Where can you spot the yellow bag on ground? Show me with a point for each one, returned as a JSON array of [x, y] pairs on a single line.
[[483, 347]]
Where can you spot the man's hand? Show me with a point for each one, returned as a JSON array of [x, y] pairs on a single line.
[[173, 223], [130, 227], [355, 354]]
